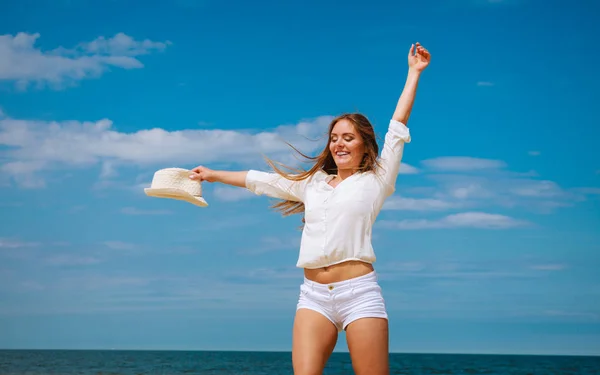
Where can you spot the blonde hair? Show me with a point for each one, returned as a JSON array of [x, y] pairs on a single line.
[[324, 161]]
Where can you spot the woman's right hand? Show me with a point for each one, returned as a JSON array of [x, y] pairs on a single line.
[[201, 173], [420, 59]]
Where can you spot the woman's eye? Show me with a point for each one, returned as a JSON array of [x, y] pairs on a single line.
[[345, 139]]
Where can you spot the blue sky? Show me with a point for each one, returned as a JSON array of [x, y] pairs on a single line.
[[490, 244]]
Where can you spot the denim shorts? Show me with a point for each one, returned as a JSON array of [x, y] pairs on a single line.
[[345, 301]]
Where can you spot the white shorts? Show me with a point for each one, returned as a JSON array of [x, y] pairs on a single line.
[[345, 301]]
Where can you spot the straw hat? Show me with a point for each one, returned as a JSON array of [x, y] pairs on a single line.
[[174, 183]]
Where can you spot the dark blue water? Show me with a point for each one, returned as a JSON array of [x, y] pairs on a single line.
[[88, 362]]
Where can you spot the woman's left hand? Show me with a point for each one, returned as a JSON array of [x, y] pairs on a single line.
[[420, 60]]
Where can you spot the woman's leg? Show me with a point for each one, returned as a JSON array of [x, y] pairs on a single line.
[[314, 338], [368, 343], [366, 323]]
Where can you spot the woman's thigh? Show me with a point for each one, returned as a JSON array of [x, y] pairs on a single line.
[[368, 343], [314, 338]]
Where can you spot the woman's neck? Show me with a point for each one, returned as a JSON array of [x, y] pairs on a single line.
[[343, 174]]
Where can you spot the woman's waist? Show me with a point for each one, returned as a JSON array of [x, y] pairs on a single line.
[[338, 272]]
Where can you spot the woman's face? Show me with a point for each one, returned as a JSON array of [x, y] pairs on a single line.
[[346, 146]]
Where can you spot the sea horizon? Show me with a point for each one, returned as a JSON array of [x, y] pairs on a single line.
[[465, 353]]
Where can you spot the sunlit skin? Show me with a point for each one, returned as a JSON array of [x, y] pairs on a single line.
[[347, 148]]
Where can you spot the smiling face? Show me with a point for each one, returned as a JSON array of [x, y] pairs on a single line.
[[346, 146]]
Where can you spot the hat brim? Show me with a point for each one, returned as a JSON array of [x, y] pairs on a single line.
[[176, 194]]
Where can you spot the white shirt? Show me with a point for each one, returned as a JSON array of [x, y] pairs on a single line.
[[339, 220]]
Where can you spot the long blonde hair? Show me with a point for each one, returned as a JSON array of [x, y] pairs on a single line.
[[325, 160]]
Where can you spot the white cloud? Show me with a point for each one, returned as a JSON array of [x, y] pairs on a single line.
[[122, 45], [415, 204], [23, 171], [475, 183], [7, 243], [108, 170], [23, 63], [504, 189], [407, 169], [41, 145], [71, 260], [534, 153], [547, 189], [119, 245], [462, 163], [587, 190], [485, 83], [479, 220], [469, 191]]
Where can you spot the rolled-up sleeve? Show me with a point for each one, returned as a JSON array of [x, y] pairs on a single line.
[[275, 186], [391, 156]]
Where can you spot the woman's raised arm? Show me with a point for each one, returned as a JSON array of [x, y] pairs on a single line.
[[398, 133], [417, 62]]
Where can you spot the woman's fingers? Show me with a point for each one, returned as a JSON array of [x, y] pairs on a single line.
[[418, 49], [196, 173], [422, 51], [201, 173]]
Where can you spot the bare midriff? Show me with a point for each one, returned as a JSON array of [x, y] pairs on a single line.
[[338, 272]]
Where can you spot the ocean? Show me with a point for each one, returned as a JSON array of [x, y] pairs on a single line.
[[122, 362]]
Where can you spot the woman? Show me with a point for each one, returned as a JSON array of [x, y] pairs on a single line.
[[340, 196]]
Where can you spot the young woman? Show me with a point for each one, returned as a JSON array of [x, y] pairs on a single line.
[[340, 196]]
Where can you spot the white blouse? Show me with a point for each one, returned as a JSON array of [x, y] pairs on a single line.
[[339, 220]]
